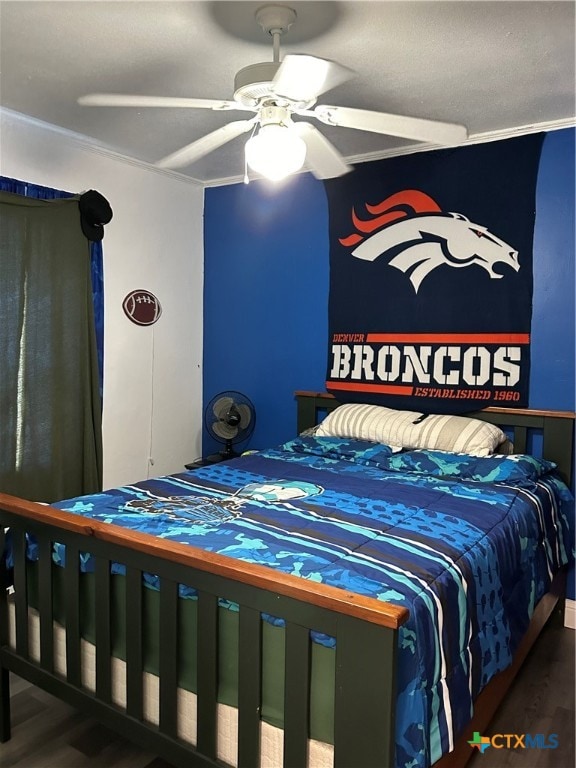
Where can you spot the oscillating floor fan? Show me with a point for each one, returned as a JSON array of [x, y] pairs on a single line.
[[230, 418]]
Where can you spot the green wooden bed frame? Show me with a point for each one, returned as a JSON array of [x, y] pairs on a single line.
[[365, 629]]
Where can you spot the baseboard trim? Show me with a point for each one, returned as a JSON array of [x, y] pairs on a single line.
[[570, 614]]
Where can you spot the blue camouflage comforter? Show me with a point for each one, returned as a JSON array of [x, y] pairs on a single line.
[[467, 544]]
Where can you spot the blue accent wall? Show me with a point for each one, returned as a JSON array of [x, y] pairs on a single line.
[[553, 340], [266, 293]]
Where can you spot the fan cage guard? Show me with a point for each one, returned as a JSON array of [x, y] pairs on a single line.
[[229, 418]]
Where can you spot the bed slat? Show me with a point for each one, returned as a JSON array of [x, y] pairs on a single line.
[[168, 664], [5, 729], [207, 665], [45, 602], [20, 592], [296, 698], [249, 687], [134, 637], [520, 439], [558, 445], [72, 602], [103, 631]]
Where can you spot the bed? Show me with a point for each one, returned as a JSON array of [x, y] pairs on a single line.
[[262, 629]]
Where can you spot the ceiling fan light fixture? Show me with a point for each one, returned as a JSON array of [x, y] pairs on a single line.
[[275, 152]]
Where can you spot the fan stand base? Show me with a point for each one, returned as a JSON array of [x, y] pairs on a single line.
[[224, 455]]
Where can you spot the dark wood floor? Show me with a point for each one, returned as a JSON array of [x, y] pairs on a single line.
[[49, 734], [541, 700]]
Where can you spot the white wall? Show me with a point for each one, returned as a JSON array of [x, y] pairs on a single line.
[[152, 375]]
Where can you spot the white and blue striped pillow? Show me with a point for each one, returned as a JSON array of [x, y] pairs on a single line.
[[408, 430]]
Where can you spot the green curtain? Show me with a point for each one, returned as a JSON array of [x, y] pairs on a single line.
[[50, 409]]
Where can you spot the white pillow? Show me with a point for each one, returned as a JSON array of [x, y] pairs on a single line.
[[397, 429]]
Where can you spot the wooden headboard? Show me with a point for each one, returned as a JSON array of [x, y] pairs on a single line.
[[554, 428]]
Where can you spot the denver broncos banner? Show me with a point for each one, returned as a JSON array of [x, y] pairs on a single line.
[[431, 278]]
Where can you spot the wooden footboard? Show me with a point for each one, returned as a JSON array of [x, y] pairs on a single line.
[[365, 632]]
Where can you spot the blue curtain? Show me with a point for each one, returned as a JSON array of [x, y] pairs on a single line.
[[96, 264]]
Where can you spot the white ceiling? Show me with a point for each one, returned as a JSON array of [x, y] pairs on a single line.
[[493, 66]]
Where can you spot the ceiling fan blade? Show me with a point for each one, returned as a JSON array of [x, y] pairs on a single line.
[[322, 157], [393, 125], [303, 78], [132, 100], [206, 144]]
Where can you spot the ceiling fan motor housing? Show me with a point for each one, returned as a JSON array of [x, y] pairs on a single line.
[[253, 86], [254, 83]]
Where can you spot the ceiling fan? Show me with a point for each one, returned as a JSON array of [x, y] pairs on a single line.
[[276, 91]]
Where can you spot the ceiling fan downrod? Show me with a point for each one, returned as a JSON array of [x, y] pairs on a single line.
[[275, 20], [252, 84]]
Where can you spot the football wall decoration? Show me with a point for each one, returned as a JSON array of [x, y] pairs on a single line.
[[142, 307]]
